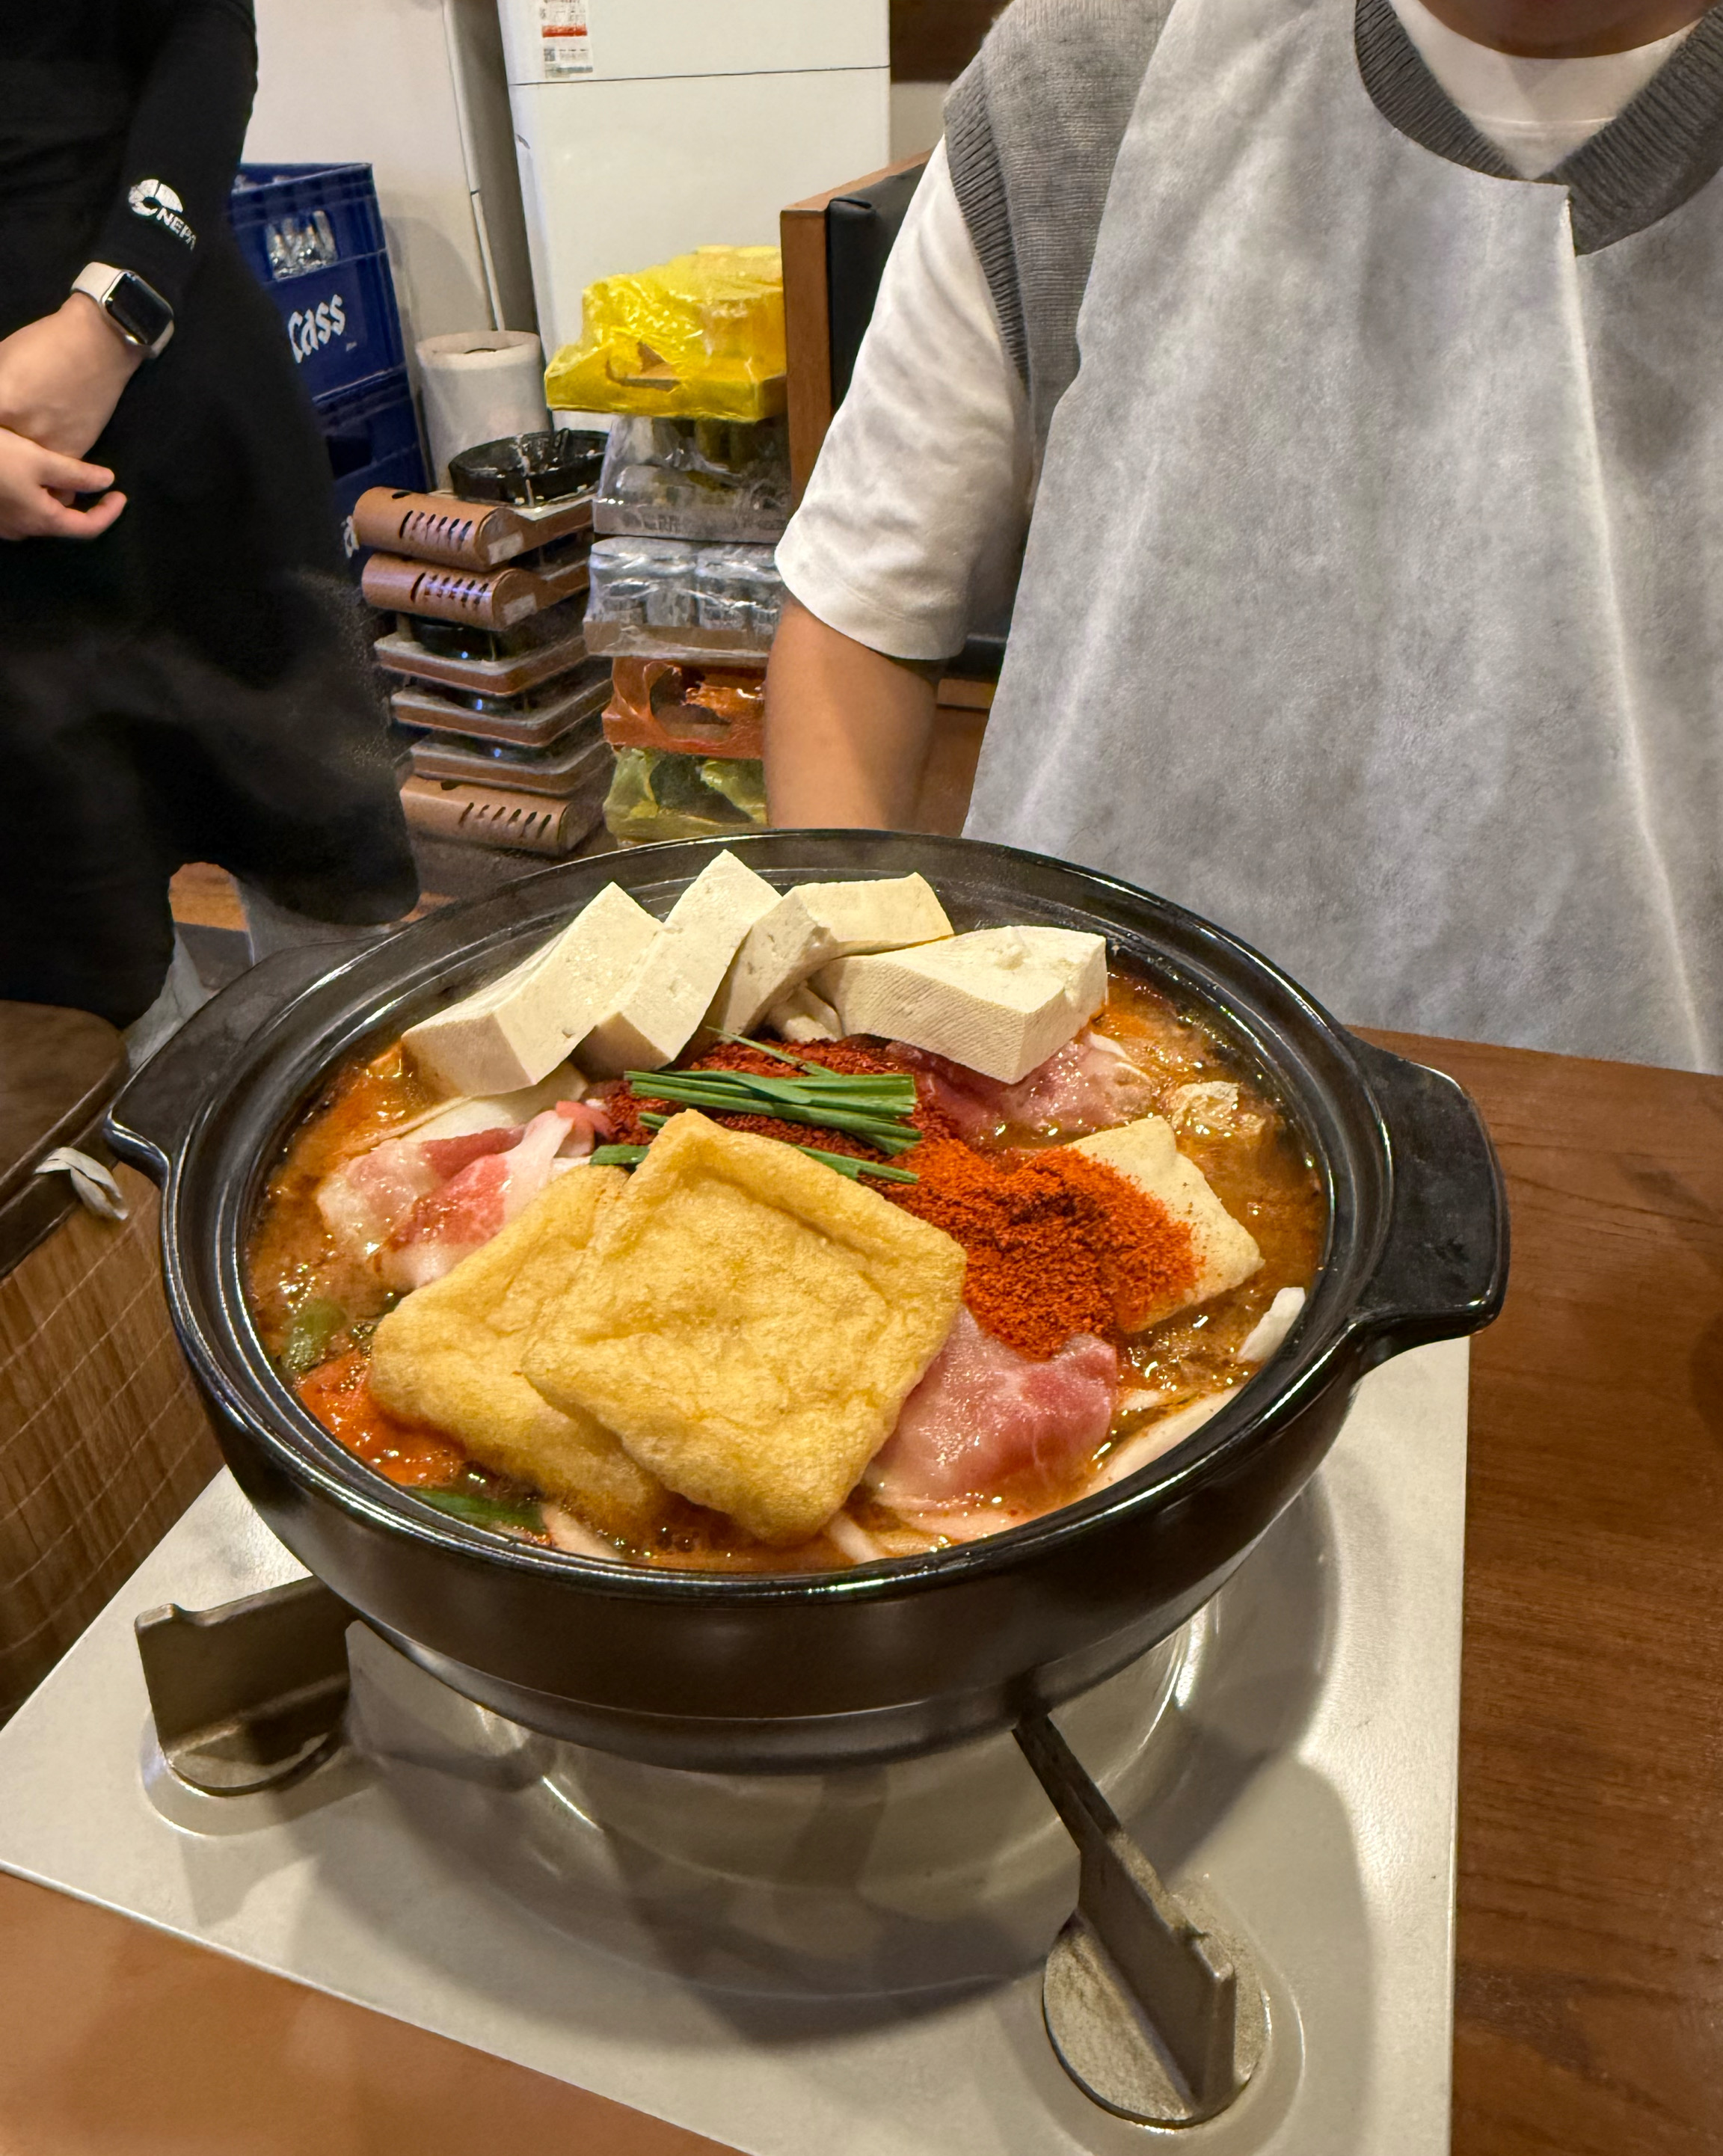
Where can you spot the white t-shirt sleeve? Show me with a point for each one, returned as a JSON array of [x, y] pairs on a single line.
[[912, 526]]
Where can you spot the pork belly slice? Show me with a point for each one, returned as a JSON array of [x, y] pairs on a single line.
[[460, 1216], [368, 1199], [984, 1415], [1089, 1085], [363, 1203], [449, 1355], [1223, 1253]]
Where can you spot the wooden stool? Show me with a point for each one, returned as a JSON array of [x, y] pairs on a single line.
[[103, 1440]]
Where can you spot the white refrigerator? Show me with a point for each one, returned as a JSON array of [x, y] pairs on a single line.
[[644, 128], [416, 88]]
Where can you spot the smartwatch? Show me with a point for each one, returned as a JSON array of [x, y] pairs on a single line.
[[137, 309]]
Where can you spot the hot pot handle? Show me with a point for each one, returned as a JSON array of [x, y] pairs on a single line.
[[1443, 1270], [153, 1110]]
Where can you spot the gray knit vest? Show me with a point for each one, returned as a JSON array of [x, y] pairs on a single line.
[[1033, 127]]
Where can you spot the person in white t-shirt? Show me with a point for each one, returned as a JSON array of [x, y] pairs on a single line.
[[1370, 602]]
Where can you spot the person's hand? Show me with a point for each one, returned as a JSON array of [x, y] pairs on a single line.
[[36, 488], [61, 376]]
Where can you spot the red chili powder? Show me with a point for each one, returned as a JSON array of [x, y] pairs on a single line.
[[1058, 1243]]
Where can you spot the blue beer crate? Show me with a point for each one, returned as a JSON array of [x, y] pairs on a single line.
[[314, 236], [371, 434]]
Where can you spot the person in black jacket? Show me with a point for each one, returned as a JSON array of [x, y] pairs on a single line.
[[183, 674]]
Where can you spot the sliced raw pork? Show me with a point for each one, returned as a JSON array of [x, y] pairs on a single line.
[[478, 1202], [1089, 1085], [364, 1202], [984, 1416], [410, 1191]]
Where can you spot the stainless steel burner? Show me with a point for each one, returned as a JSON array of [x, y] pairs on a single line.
[[854, 1961]]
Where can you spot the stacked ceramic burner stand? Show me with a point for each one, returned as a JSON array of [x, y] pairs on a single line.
[[685, 599], [492, 685]]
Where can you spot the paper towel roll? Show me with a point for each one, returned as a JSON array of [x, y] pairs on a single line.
[[480, 385]]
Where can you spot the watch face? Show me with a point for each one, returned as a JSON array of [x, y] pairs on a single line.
[[139, 310]]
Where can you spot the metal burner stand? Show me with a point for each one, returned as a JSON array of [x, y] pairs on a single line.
[[1306, 1781], [1152, 2013]]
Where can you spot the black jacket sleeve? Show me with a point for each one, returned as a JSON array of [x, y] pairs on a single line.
[[198, 66]]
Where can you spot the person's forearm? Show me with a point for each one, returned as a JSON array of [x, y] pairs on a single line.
[[847, 730]]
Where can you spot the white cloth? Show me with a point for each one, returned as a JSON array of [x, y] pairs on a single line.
[[1373, 602], [1536, 112], [910, 530], [268, 928]]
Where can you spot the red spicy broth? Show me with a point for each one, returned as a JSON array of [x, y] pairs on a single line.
[[316, 1308]]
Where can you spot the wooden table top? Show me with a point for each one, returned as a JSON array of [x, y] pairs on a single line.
[[1590, 1985], [1589, 1999]]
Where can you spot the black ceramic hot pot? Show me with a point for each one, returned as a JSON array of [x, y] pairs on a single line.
[[744, 1673]]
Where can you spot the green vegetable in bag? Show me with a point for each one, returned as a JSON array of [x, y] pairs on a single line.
[[657, 794]]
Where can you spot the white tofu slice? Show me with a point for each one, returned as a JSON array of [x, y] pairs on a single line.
[[673, 983], [804, 1016], [514, 1032], [814, 923], [999, 1000], [1225, 1253]]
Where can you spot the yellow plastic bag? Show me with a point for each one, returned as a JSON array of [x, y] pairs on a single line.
[[701, 337]]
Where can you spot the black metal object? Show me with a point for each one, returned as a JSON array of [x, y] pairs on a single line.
[[744, 1672], [982, 657], [466, 640], [249, 1695], [529, 469], [860, 229]]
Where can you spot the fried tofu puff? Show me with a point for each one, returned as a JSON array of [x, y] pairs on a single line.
[[749, 1322], [449, 1355]]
